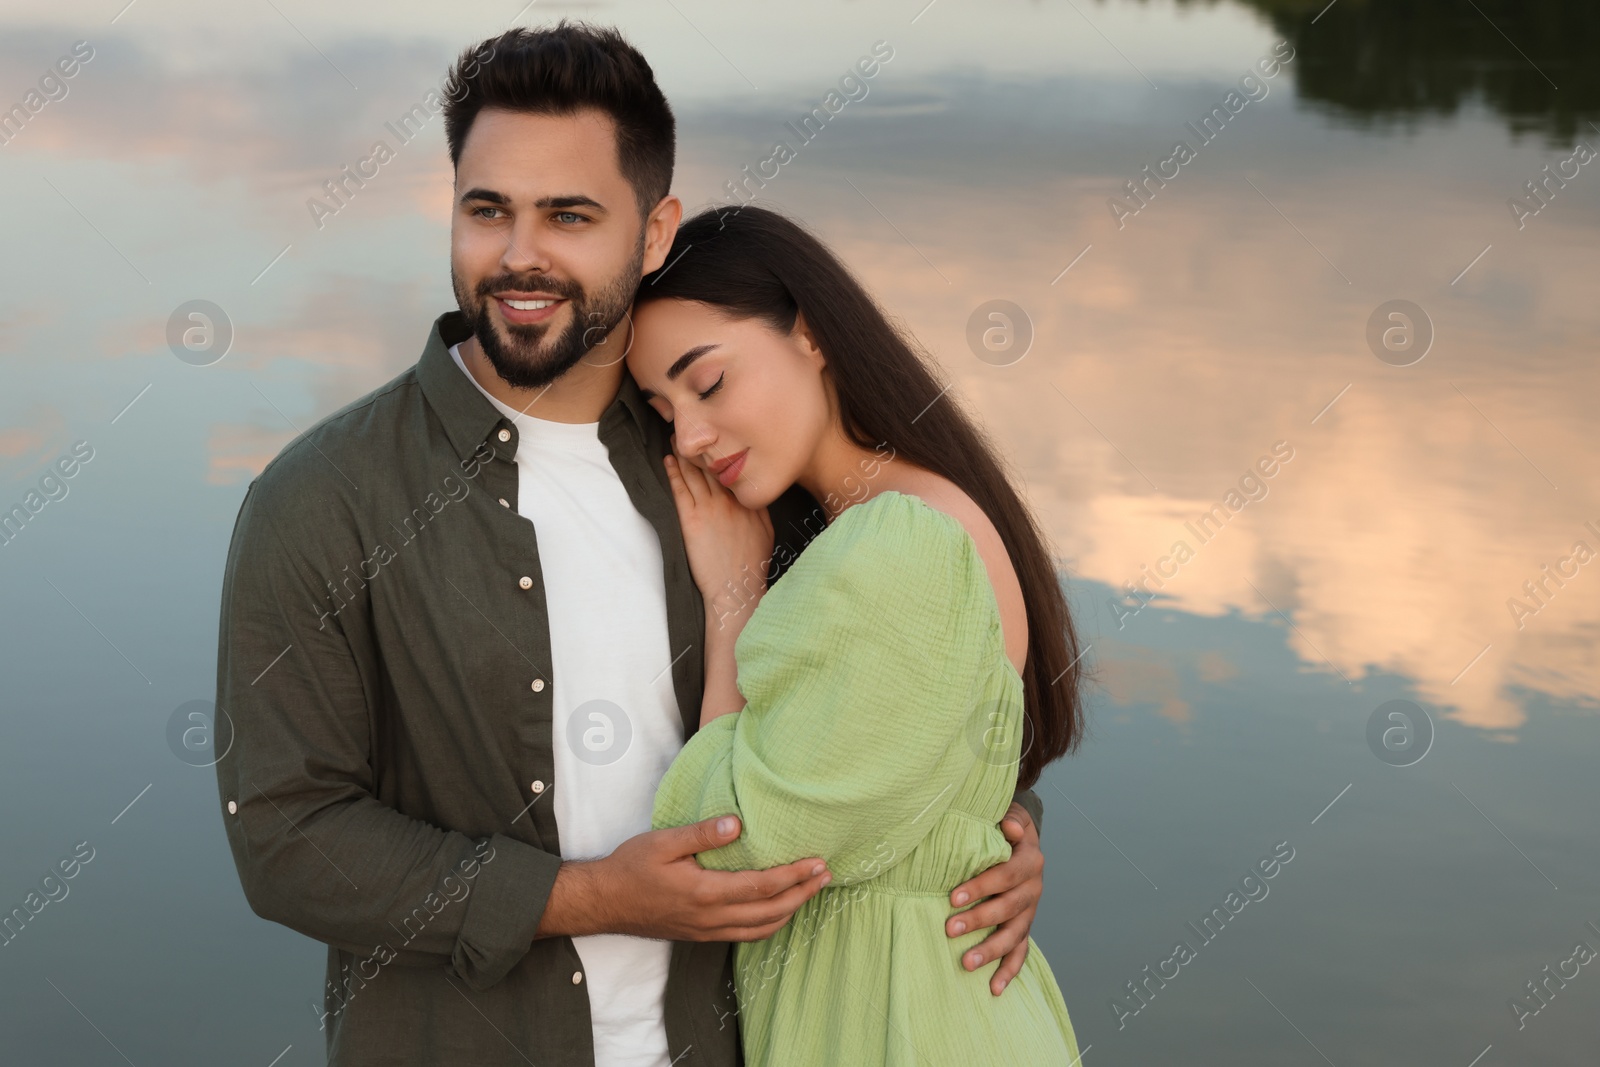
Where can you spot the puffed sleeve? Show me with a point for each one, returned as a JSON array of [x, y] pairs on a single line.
[[863, 670]]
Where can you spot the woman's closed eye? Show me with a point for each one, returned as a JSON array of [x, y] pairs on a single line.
[[714, 387]]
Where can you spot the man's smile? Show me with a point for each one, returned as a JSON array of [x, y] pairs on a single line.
[[526, 309]]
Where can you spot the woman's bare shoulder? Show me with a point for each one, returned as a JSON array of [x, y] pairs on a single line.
[[944, 495]]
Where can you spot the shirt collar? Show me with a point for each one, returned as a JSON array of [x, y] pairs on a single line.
[[468, 416]]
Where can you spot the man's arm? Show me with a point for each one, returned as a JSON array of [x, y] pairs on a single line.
[[314, 847], [318, 852], [1034, 806], [652, 886]]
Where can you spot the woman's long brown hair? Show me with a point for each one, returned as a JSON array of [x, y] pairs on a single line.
[[756, 263]]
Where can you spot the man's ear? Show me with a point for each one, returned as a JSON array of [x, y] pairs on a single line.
[[660, 227], [801, 333]]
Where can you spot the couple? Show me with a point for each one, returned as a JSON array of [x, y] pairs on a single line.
[[645, 676]]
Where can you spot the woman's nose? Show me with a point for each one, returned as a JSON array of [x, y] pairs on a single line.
[[693, 437]]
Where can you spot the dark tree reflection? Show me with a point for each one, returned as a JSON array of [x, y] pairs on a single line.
[[1386, 61]]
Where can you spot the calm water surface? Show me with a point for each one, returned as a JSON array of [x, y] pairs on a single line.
[[1159, 354]]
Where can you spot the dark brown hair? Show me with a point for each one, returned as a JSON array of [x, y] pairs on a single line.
[[559, 71], [755, 263]]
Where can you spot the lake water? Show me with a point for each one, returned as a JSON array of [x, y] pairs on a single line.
[[1379, 659]]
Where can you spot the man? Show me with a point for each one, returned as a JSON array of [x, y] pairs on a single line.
[[460, 641]]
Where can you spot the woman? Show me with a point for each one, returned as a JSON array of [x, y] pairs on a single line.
[[871, 708]]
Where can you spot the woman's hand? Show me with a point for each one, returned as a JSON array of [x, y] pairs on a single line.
[[729, 546]]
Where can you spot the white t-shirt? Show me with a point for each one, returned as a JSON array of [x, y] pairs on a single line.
[[606, 593]]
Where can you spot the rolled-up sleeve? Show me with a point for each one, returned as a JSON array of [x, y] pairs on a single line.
[[1033, 805], [298, 689]]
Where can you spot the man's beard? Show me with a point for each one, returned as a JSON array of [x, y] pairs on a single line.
[[523, 361]]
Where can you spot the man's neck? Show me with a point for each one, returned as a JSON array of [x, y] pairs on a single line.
[[580, 395]]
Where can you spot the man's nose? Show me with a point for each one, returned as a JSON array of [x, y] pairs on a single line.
[[524, 253]]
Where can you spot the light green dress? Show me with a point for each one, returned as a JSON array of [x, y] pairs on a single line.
[[882, 731]]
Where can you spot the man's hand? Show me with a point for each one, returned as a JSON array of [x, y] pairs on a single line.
[[651, 886], [1013, 888]]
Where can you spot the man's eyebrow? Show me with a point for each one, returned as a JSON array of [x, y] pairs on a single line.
[[571, 200], [485, 194], [574, 200], [680, 365]]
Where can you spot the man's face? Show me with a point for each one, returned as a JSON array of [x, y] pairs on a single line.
[[546, 242]]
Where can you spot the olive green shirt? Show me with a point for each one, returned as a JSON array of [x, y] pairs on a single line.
[[384, 719]]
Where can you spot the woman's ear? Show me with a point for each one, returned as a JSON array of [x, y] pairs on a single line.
[[802, 335]]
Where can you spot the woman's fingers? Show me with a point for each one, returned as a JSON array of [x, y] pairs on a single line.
[[715, 487], [704, 491], [681, 496], [693, 483], [728, 544]]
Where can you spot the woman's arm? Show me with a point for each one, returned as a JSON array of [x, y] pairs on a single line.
[[866, 689], [722, 696], [730, 549]]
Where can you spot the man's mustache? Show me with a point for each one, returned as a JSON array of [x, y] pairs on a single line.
[[536, 284]]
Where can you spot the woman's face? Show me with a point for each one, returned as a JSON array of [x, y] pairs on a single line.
[[743, 398]]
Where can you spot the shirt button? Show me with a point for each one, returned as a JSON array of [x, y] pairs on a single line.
[[538, 685], [504, 435], [525, 582], [537, 787], [504, 503], [233, 808], [577, 976]]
